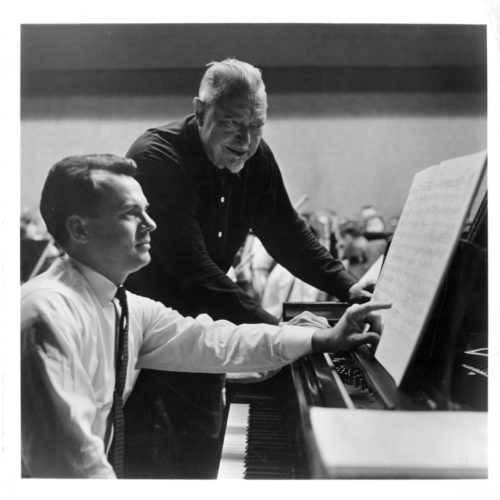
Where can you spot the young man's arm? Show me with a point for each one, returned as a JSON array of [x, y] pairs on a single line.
[[174, 342], [58, 407]]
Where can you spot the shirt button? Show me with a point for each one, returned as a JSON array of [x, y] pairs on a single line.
[[222, 199], [219, 234]]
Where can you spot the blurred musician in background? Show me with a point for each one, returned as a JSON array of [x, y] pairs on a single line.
[[359, 249], [210, 178], [37, 249], [367, 212], [251, 268], [253, 264], [283, 286], [84, 338]]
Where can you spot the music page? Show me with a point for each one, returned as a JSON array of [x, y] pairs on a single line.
[[401, 444], [423, 243]]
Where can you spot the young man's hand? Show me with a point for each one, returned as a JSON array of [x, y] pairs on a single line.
[[358, 325]]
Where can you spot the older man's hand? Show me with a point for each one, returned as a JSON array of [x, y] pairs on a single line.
[[361, 291], [359, 325]]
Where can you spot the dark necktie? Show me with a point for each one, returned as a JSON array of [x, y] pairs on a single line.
[[118, 445]]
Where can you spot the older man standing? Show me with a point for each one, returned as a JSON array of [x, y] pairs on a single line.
[[84, 338], [210, 178]]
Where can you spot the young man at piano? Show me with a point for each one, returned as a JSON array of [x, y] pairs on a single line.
[[210, 178], [84, 338]]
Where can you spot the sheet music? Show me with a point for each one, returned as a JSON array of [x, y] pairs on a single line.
[[422, 246], [401, 444]]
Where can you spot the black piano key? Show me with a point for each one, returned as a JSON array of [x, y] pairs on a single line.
[[274, 439]]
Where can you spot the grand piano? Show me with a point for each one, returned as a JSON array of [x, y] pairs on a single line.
[[276, 429]]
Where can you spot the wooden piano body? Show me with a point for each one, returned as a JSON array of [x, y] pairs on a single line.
[[272, 436], [448, 376]]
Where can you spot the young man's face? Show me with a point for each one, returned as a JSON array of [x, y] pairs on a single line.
[[231, 129], [119, 240]]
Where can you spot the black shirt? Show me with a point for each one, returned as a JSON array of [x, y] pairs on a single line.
[[204, 214]]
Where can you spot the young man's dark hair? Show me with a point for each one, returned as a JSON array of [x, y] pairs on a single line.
[[70, 189]]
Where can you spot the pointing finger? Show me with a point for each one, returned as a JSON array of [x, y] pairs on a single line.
[[362, 315], [362, 310]]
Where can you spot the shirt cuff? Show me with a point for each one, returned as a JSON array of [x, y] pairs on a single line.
[[297, 341]]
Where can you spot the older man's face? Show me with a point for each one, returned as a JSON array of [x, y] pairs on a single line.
[[232, 128]]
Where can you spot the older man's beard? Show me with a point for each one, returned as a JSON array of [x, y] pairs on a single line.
[[236, 167], [233, 167]]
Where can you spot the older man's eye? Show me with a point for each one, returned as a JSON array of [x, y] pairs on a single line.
[[230, 123]]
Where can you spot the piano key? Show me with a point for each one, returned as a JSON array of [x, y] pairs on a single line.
[[232, 464]]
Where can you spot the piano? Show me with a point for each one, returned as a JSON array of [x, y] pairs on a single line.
[[272, 430]]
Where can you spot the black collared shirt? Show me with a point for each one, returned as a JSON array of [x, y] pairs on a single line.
[[204, 214]]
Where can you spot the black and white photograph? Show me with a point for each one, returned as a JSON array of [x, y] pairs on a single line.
[[254, 251]]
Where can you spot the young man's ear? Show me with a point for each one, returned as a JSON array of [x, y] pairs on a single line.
[[77, 229], [199, 110]]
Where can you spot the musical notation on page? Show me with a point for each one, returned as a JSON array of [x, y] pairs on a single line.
[[423, 244]]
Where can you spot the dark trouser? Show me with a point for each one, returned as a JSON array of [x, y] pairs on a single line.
[[174, 426]]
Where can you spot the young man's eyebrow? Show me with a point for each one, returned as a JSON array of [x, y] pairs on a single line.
[[128, 205]]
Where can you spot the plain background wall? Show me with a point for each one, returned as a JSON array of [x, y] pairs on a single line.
[[354, 110], [360, 148]]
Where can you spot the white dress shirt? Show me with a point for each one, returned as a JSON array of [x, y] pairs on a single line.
[[68, 329]]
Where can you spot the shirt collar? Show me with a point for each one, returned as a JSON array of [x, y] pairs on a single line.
[[103, 288]]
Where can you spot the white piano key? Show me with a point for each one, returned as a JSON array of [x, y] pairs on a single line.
[[232, 464]]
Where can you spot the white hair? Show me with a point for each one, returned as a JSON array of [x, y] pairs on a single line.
[[228, 76]]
